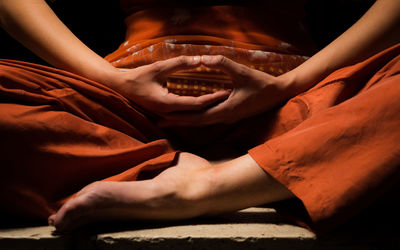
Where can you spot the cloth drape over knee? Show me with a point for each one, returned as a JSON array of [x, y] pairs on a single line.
[[336, 146], [343, 151], [60, 132]]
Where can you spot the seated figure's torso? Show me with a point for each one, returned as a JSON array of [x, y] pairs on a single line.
[[264, 23], [266, 36]]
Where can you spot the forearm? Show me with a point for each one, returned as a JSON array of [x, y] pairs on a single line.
[[34, 24], [378, 29]]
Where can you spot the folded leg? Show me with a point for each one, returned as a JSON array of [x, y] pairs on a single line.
[[340, 159], [60, 132]]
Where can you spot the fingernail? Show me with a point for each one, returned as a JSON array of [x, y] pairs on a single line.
[[50, 222]]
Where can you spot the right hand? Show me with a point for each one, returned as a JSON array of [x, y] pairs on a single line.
[[144, 86]]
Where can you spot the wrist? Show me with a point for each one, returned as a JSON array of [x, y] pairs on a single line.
[[103, 73], [302, 78], [290, 84]]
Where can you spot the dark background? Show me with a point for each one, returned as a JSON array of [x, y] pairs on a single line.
[[100, 24]]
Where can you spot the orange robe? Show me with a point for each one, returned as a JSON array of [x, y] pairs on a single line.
[[336, 146]]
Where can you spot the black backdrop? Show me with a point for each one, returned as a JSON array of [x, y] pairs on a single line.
[[99, 24]]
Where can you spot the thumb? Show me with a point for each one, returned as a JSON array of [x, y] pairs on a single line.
[[223, 63]]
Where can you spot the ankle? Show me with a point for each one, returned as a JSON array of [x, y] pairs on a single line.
[[183, 195], [199, 192]]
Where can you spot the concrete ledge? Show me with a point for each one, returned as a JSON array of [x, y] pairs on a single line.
[[254, 228]]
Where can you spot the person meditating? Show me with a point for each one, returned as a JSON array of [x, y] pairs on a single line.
[[203, 109]]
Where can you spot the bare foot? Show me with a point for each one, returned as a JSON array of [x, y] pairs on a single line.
[[158, 198], [191, 188]]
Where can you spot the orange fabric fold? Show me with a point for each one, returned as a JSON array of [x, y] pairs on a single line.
[[242, 33], [336, 146], [61, 132]]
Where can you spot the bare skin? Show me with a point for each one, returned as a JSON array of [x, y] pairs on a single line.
[[192, 188]]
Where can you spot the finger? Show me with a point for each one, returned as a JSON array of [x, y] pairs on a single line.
[[217, 114], [175, 102], [225, 64], [166, 67]]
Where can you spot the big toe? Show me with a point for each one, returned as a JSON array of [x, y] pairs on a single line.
[[70, 216], [51, 219]]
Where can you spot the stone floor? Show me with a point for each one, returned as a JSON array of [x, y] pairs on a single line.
[[253, 228]]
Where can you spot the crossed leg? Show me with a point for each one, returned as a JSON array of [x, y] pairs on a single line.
[[193, 187], [338, 161]]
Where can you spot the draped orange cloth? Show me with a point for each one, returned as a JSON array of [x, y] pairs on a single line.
[[237, 32], [336, 146]]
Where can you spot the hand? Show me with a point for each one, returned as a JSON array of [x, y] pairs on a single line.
[[143, 85], [254, 92]]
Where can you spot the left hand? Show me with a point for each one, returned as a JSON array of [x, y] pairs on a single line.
[[143, 86], [254, 92]]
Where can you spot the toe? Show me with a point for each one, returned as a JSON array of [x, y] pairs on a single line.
[[51, 219], [70, 215]]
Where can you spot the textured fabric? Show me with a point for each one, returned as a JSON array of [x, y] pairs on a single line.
[[242, 33], [336, 146], [60, 132]]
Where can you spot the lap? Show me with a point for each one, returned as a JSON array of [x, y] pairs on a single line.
[[75, 131]]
